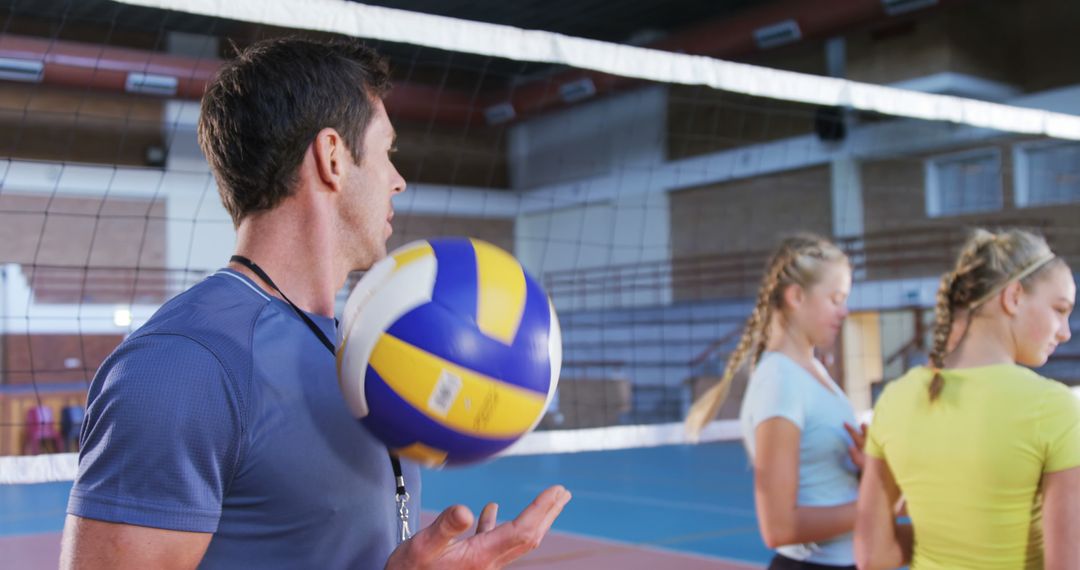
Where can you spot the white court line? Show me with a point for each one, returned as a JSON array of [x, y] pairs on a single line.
[[651, 545], [650, 502]]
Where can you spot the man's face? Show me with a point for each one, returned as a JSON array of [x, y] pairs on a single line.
[[369, 187]]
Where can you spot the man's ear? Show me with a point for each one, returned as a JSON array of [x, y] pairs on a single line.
[[330, 153]]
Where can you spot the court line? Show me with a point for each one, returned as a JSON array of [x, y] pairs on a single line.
[[619, 498], [613, 545]]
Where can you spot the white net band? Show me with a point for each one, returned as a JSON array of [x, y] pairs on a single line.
[[451, 34]]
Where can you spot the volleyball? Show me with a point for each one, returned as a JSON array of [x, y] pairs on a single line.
[[448, 351]]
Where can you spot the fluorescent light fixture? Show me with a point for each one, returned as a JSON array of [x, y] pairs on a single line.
[[577, 90], [778, 34], [897, 7], [151, 84], [500, 113], [26, 70]]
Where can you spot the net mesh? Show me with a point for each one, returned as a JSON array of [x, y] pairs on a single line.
[[644, 189]]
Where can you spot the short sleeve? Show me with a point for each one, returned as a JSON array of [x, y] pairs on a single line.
[[1060, 429], [161, 437], [775, 393], [873, 445]]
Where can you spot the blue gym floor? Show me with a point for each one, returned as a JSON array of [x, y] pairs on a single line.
[[693, 500]]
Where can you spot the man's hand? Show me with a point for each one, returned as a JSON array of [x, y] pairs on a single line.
[[492, 546]]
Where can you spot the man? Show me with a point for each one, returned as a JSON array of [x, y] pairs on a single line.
[[215, 434]]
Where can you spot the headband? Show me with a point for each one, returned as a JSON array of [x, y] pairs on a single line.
[[1032, 268]]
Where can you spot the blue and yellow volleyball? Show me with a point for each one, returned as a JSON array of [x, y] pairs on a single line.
[[449, 351]]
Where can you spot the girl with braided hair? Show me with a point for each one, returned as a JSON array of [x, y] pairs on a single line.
[[793, 415], [985, 451]]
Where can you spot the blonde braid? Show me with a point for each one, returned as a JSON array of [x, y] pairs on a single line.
[[959, 288], [943, 322], [764, 326], [755, 335]]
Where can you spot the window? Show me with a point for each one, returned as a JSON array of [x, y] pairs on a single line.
[[1047, 172], [964, 183]]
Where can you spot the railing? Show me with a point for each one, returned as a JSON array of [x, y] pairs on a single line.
[[711, 350], [918, 250], [915, 251], [625, 401], [105, 284]]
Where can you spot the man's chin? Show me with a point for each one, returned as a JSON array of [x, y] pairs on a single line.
[[365, 264]]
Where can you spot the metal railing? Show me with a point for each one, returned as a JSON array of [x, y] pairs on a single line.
[[103, 284], [915, 251]]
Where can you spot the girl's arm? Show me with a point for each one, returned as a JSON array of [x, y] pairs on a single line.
[[879, 541], [776, 488], [1061, 518]]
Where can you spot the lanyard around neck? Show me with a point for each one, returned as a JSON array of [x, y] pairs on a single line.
[[307, 320], [399, 479]]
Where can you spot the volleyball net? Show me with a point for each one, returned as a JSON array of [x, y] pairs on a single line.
[[643, 187]]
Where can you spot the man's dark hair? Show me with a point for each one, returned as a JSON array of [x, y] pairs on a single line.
[[264, 108]]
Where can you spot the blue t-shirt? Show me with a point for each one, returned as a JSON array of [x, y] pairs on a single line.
[[222, 414], [779, 387]]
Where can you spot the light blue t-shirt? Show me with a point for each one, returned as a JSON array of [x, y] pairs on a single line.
[[779, 387], [223, 415]]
